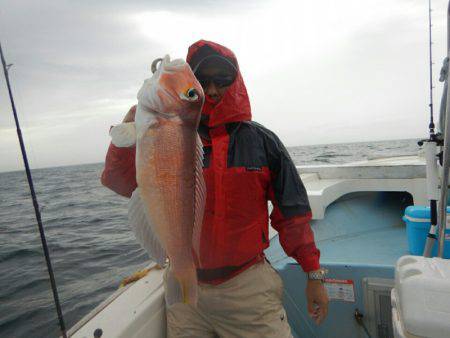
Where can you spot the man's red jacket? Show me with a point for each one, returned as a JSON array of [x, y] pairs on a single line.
[[245, 166]]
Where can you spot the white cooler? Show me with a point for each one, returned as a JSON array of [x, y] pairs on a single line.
[[421, 297]]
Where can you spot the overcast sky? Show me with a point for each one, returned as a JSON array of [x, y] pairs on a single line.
[[316, 71]]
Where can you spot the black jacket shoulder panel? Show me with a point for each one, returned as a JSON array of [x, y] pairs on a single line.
[[273, 146], [246, 147], [290, 193]]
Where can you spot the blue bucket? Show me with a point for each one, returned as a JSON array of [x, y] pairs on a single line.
[[417, 219]]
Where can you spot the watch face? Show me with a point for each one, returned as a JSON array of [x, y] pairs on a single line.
[[319, 274]]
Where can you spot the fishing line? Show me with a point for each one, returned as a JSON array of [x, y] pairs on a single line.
[[34, 199]]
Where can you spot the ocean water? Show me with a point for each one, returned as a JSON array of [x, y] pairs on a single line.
[[91, 245]]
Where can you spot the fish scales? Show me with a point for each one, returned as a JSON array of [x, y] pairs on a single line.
[[166, 177]]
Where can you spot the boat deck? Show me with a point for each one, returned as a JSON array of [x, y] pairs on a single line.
[[361, 237]]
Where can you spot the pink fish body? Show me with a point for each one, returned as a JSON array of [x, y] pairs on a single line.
[[171, 189]]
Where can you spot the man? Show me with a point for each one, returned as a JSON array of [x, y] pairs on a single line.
[[245, 165]]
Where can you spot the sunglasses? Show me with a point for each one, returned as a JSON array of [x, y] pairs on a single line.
[[219, 80]]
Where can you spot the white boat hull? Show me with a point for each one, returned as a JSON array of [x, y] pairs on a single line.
[[134, 311]]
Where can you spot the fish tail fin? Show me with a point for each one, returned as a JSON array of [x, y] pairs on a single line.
[[189, 288], [182, 289]]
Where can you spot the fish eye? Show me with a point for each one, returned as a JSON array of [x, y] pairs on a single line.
[[190, 95]]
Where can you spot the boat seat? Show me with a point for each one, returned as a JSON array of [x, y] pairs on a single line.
[[325, 184]]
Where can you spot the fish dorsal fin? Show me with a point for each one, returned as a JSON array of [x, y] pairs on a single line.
[[144, 229], [200, 198], [123, 135]]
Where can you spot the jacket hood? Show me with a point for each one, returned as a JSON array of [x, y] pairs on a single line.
[[235, 104]]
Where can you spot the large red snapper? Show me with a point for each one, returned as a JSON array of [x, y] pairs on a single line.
[[166, 210]]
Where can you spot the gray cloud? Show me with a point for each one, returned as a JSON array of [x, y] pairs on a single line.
[[78, 66]]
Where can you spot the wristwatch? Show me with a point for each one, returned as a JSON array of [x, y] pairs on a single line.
[[317, 274]]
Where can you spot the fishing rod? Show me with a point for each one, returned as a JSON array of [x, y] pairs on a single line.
[[430, 147], [33, 197], [430, 52]]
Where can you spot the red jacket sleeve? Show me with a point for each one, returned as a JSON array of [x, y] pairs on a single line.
[[119, 174], [297, 238]]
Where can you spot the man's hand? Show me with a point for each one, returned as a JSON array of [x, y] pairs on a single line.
[[130, 115], [317, 298]]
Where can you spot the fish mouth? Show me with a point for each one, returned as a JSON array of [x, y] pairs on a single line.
[[166, 115], [159, 114]]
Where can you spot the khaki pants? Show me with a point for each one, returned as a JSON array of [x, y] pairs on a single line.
[[249, 305]]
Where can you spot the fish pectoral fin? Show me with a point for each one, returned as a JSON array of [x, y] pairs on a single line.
[[123, 135], [144, 229]]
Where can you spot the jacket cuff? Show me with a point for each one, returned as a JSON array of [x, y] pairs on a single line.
[[122, 150], [310, 263]]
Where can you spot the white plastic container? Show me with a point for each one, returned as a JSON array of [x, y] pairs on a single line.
[[421, 297]]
